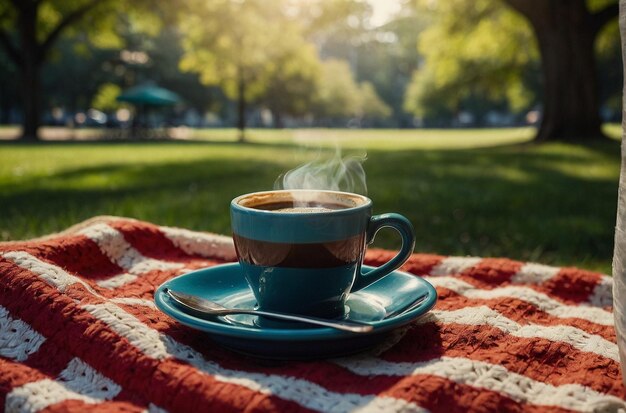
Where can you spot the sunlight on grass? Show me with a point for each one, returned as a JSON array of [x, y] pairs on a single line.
[[383, 139], [577, 161], [613, 130]]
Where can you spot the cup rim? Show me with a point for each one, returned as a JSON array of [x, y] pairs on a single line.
[[367, 203]]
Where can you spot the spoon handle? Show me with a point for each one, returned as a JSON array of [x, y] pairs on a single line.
[[203, 308], [350, 326]]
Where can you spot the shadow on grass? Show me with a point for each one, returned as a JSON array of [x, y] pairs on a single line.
[[522, 202]]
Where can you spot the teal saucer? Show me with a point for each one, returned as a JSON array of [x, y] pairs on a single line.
[[226, 285]]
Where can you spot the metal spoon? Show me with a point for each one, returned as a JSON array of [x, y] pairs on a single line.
[[203, 307]]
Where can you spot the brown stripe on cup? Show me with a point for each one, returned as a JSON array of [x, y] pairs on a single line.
[[309, 255]]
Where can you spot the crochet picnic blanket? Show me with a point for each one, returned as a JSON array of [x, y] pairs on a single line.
[[79, 332]]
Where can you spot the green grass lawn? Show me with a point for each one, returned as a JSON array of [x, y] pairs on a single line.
[[478, 192]]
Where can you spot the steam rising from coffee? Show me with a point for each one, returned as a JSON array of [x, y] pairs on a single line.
[[336, 174]]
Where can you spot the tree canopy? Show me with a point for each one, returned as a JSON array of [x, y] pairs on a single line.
[[259, 51], [513, 55], [464, 61], [340, 96]]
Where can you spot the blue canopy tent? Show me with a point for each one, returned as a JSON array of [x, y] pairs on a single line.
[[146, 97], [149, 95]]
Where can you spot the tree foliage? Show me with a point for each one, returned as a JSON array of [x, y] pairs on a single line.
[[384, 55], [338, 93], [263, 52], [253, 50], [295, 75], [105, 98], [370, 105], [513, 55], [472, 49], [340, 97]]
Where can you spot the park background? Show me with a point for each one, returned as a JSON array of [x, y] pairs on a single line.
[[492, 124]]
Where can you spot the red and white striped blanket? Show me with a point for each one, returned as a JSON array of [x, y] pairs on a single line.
[[79, 331]]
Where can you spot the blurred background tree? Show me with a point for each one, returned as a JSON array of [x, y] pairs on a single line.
[[264, 52], [495, 50], [293, 81], [240, 46], [339, 96], [338, 93], [488, 61], [566, 33]]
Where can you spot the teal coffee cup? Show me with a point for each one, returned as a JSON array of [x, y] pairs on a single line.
[[301, 250]]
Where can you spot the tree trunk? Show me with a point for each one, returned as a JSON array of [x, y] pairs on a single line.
[[571, 108], [566, 32], [278, 119], [31, 89], [619, 254], [241, 107], [30, 54], [30, 73]]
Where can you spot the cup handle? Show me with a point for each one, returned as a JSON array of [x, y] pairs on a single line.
[[404, 227]]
